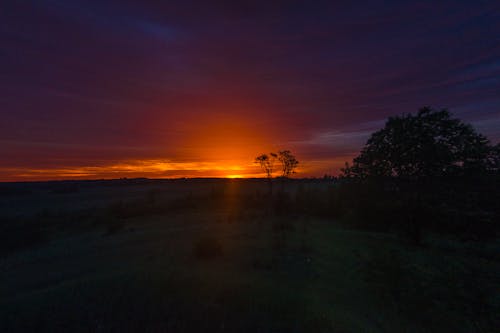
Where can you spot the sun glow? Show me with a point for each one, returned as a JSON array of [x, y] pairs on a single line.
[[138, 168], [156, 168], [219, 146]]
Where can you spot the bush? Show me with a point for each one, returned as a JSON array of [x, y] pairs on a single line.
[[20, 235], [114, 226], [282, 204], [207, 248]]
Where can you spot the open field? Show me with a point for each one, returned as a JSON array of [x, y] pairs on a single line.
[[215, 255]]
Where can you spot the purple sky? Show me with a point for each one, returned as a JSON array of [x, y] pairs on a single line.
[[90, 86]]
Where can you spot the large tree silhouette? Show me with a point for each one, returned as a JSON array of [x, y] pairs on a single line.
[[415, 151], [430, 143], [493, 159]]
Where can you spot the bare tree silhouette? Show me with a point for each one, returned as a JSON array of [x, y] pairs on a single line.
[[288, 163], [267, 164]]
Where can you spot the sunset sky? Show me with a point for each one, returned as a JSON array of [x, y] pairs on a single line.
[[110, 89]]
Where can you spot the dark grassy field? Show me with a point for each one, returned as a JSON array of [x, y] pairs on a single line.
[[217, 256]]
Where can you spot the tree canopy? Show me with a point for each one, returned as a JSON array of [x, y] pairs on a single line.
[[287, 160], [288, 163], [429, 143], [267, 163]]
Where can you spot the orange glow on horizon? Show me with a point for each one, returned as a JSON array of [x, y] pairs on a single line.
[[234, 176], [165, 169], [136, 169], [226, 138], [215, 146]]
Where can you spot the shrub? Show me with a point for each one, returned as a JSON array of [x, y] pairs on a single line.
[[114, 226], [65, 188], [207, 248], [20, 235], [282, 204]]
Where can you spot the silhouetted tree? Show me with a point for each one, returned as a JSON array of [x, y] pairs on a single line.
[[494, 159], [413, 151], [288, 163], [430, 143], [267, 164]]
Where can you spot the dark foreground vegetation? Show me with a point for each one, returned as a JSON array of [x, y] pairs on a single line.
[[405, 240], [429, 172], [223, 255]]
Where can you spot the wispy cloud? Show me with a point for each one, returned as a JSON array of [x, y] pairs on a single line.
[[347, 137], [133, 168]]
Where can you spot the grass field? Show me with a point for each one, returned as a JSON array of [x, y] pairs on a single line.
[[195, 256]]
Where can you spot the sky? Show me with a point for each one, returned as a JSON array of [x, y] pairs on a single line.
[[111, 89]]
